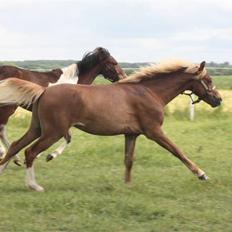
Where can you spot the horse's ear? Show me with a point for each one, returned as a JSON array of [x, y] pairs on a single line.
[[56, 75], [202, 66], [102, 53], [199, 70], [100, 49], [182, 69], [57, 72]]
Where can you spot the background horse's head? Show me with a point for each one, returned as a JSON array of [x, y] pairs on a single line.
[[56, 75], [110, 68], [203, 87], [101, 60]]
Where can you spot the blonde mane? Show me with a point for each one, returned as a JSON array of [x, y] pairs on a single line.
[[162, 68]]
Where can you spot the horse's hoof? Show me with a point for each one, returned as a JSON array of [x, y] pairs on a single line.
[[203, 177], [17, 162], [49, 157], [36, 188]]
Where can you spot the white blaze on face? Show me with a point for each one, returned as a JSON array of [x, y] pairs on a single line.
[[70, 75]]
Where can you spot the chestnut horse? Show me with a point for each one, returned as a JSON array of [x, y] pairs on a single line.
[[132, 107], [83, 72]]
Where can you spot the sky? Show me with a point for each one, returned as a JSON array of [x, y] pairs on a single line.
[[132, 30]]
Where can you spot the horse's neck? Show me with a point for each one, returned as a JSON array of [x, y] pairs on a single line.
[[167, 88], [89, 76], [70, 75]]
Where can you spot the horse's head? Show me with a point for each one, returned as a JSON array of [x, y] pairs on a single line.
[[56, 75], [109, 67], [203, 87]]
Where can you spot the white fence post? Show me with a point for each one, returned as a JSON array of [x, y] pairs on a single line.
[[191, 110]]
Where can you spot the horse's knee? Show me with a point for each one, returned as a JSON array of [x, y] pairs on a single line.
[[29, 157]]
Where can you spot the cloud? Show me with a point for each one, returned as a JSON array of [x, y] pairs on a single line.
[[203, 34], [132, 30]]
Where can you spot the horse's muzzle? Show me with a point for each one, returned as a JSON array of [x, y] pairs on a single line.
[[216, 102]]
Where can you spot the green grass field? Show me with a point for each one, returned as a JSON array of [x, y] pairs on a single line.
[[84, 189], [223, 82]]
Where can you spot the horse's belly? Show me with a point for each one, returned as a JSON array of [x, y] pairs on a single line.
[[106, 128]]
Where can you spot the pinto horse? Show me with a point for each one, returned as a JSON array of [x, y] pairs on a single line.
[[83, 72], [132, 107]]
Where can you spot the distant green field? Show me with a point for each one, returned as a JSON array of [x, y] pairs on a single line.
[[85, 190], [223, 82]]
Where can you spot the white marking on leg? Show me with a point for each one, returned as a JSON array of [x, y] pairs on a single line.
[[200, 173], [2, 151], [3, 136], [30, 180], [5, 140], [59, 150], [39, 155]]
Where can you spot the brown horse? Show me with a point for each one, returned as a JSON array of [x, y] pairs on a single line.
[[83, 72], [132, 107]]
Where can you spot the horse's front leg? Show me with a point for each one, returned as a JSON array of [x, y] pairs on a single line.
[[158, 136], [129, 155]]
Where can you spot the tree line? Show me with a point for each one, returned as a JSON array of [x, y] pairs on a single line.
[[215, 69]]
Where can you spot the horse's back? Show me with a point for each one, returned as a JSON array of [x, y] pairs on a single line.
[[9, 71]]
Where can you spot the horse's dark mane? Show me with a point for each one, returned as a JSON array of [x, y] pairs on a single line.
[[91, 59]]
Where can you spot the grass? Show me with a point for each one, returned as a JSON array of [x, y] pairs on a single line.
[[85, 190], [223, 82]]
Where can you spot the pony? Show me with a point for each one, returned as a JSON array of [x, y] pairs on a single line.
[[99, 61], [133, 106]]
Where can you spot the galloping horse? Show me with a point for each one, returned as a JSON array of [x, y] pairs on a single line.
[[83, 72], [132, 107]]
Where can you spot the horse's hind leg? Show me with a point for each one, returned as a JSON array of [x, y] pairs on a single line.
[[33, 133], [158, 136], [42, 144], [5, 113], [4, 141], [60, 149]]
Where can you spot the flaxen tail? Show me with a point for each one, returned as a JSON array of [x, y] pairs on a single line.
[[19, 92]]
